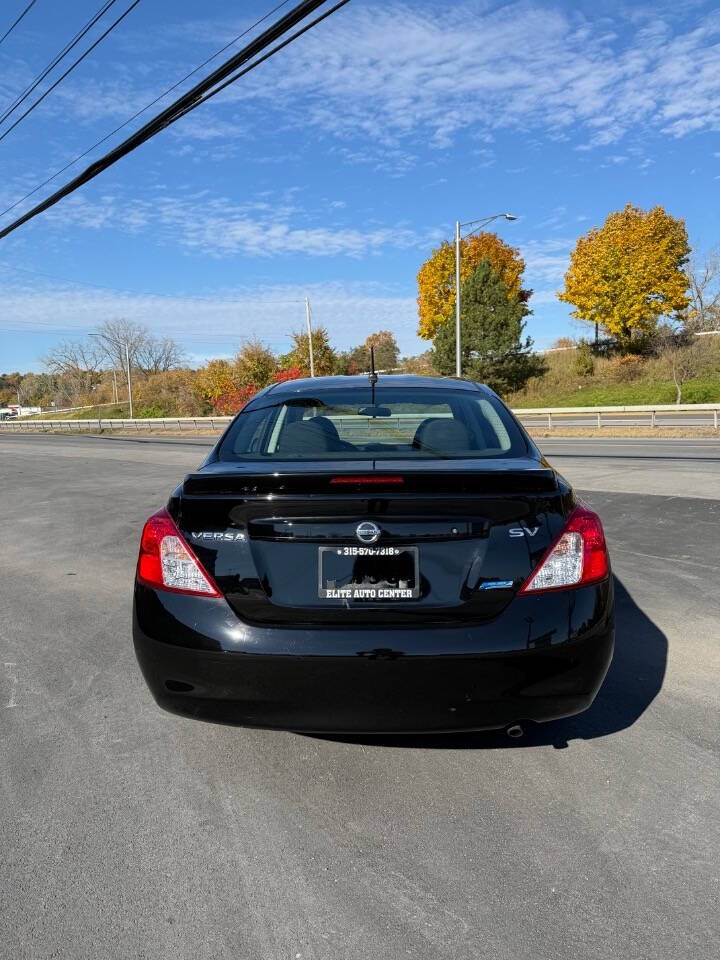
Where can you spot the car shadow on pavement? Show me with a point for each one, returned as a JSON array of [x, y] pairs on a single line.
[[633, 681]]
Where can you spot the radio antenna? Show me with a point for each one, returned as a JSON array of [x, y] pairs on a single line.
[[373, 375]]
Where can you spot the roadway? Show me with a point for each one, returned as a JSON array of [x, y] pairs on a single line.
[[129, 833]]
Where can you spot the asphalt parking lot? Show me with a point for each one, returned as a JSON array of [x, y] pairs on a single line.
[[129, 833]]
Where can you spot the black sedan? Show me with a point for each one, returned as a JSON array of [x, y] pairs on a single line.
[[374, 557]]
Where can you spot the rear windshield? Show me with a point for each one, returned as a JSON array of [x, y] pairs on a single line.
[[344, 424]]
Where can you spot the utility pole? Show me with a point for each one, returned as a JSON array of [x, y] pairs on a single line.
[[127, 360], [483, 222], [458, 349], [115, 390], [310, 343], [120, 344]]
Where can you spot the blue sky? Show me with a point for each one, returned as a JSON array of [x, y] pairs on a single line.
[[332, 170]]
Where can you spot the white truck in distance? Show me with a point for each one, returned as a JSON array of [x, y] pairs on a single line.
[[16, 410]]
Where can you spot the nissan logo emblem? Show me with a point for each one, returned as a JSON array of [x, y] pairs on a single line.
[[368, 532]]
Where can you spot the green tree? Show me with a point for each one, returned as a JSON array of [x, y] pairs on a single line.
[[386, 350], [324, 356], [255, 364], [387, 354], [436, 277], [492, 346], [345, 363], [584, 360]]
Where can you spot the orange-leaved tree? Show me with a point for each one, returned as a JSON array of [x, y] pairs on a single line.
[[436, 278], [229, 403], [288, 373], [215, 380], [630, 272]]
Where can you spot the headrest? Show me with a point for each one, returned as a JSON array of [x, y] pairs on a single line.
[[440, 435], [304, 438]]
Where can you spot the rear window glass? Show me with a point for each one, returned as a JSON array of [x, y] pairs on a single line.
[[402, 423]]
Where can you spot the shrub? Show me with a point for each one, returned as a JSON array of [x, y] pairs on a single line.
[[169, 394], [626, 368], [289, 373], [153, 410], [230, 403], [584, 360]]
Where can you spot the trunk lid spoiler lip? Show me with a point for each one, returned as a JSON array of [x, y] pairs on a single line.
[[494, 477], [281, 468]]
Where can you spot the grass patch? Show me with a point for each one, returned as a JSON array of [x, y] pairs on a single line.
[[617, 382], [621, 394], [90, 413]]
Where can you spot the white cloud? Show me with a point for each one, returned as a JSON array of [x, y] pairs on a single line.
[[349, 312], [222, 227], [546, 262], [389, 77], [391, 73]]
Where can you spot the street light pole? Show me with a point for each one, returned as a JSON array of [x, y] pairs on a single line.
[[483, 222], [119, 344]]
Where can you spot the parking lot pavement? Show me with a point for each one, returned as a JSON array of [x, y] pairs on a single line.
[[126, 832], [675, 467]]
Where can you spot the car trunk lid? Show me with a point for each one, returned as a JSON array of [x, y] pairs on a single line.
[[460, 537]]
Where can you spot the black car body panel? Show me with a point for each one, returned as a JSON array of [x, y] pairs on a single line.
[[466, 651]]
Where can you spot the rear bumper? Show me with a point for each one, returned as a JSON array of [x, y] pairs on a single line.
[[544, 658]]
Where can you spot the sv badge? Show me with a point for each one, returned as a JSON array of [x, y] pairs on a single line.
[[521, 531]]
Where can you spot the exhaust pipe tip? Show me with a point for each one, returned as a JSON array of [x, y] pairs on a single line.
[[515, 731]]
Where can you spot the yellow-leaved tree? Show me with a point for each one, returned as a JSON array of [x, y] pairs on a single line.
[[436, 278], [630, 272]]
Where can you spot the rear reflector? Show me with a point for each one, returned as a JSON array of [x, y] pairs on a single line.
[[166, 562], [367, 481], [577, 558]]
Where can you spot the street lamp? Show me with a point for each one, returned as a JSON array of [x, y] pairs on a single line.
[[483, 222], [120, 344]]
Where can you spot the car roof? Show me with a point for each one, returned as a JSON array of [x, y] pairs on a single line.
[[321, 384]]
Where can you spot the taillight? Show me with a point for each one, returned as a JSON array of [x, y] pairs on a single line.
[[166, 562], [578, 557]]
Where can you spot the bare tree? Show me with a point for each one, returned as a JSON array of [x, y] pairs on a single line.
[[684, 363], [76, 366], [158, 355], [117, 336], [147, 353], [703, 313]]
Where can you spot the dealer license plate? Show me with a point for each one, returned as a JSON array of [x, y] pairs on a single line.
[[379, 574]]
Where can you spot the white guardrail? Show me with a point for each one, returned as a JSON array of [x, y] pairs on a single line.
[[646, 415], [139, 425], [687, 414]]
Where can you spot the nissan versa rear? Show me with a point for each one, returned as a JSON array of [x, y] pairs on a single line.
[[374, 557]]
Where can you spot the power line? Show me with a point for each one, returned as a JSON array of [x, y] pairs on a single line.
[[189, 100], [70, 69], [56, 60], [266, 56], [12, 26], [81, 156]]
